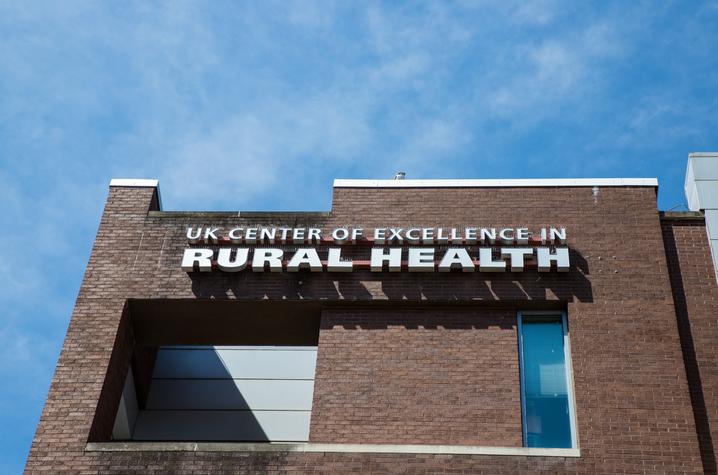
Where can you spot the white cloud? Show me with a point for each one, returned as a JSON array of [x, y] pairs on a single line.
[[602, 40], [253, 153], [397, 71], [547, 77], [537, 12], [313, 14]]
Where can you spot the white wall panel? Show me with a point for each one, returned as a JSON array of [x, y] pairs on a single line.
[[223, 425], [247, 393], [127, 411], [240, 363], [707, 194], [702, 194], [244, 394], [705, 166]]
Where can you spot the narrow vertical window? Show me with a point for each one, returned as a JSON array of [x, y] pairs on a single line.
[[546, 396]]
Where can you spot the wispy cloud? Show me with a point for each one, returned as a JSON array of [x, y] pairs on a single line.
[[252, 153], [540, 12]]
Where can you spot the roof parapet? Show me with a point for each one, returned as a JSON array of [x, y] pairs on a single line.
[[139, 183]]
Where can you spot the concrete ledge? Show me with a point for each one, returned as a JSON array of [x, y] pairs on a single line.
[[327, 448], [517, 183], [681, 216]]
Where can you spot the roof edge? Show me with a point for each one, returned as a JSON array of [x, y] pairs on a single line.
[[241, 214], [496, 183], [702, 154]]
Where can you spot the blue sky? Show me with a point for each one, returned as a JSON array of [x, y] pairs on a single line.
[[259, 105]]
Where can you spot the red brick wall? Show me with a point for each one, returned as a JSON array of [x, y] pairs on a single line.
[[632, 400], [373, 367], [696, 297]]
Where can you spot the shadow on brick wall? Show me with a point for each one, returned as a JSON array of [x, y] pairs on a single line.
[[422, 319], [693, 374], [362, 285]]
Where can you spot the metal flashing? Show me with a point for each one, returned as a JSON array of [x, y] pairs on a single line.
[[703, 154], [496, 183], [137, 182], [294, 215]]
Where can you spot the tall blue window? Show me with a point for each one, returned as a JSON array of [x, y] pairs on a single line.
[[546, 394]]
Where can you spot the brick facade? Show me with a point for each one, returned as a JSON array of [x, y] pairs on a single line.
[[415, 358], [384, 359]]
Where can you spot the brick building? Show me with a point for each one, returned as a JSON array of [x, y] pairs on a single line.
[[419, 326]]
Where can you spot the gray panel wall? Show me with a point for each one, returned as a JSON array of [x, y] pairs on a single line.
[[701, 189], [257, 393], [127, 411]]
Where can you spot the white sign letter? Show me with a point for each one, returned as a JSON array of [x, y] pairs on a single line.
[[315, 235], [487, 262], [340, 235], [379, 235], [545, 257], [192, 236], [201, 257], [357, 233], [413, 235], [393, 258], [487, 234], [421, 259], [235, 235], [226, 264], [272, 257], [522, 236], [558, 235], [306, 257], [456, 256], [335, 262], [517, 256], [507, 235], [209, 234]]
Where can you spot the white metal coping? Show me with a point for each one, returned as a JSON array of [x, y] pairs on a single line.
[[310, 447], [496, 183], [139, 183]]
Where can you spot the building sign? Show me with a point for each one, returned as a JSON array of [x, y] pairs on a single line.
[[392, 249]]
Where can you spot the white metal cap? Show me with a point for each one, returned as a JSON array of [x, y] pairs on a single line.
[[500, 183]]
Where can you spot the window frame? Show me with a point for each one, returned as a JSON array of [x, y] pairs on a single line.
[[521, 315]]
